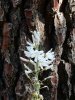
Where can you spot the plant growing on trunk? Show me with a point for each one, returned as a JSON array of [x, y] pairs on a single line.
[[40, 60]]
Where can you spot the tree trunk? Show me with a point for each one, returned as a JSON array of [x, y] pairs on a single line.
[[55, 19]]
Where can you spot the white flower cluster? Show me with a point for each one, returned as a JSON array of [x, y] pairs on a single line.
[[44, 60], [36, 38]]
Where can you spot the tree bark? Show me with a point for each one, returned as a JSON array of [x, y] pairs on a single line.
[[17, 19]]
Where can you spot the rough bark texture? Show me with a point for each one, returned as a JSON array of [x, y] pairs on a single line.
[[17, 19]]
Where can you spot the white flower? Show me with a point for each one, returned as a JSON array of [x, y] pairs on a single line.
[[37, 55], [29, 48], [43, 59], [50, 55], [31, 53], [36, 37], [27, 54], [45, 62]]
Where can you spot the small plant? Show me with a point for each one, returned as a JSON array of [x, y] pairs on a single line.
[[40, 60]]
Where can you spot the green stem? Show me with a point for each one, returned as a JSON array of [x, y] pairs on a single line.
[[36, 84]]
